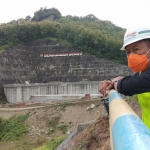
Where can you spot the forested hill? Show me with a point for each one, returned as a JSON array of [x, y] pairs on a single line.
[[88, 34]]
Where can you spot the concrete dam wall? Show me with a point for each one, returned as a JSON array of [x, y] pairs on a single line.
[[16, 93], [52, 68]]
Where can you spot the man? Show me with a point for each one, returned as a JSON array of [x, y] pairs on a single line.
[[137, 46]]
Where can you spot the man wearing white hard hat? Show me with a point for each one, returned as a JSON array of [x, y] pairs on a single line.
[[137, 47]]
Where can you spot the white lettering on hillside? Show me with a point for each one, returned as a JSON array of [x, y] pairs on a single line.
[[61, 54]]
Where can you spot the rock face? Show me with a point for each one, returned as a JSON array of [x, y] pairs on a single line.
[[49, 60]]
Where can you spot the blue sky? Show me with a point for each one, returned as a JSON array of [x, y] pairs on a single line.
[[123, 13]]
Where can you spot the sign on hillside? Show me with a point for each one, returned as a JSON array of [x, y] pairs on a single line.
[[61, 54]]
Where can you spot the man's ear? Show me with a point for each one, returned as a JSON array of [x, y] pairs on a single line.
[[147, 43]]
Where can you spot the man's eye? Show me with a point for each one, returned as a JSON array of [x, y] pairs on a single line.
[[135, 49]]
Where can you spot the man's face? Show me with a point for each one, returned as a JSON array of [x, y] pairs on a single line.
[[139, 47]]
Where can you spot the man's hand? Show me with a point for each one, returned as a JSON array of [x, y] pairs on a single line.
[[104, 86], [117, 78], [108, 85]]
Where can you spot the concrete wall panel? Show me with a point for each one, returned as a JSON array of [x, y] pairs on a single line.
[[22, 92]]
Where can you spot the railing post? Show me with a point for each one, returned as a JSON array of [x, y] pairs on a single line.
[[127, 131]]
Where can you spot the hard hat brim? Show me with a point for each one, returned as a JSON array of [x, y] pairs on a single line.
[[123, 48]]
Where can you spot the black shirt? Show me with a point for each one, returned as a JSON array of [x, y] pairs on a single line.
[[136, 84]]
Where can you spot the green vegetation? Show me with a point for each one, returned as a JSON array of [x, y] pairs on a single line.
[[13, 128], [52, 145], [53, 124], [63, 128], [43, 13], [65, 104], [88, 34]]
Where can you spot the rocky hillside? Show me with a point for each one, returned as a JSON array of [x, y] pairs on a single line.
[[49, 60]]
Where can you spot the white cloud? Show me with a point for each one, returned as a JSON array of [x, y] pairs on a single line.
[[124, 13]]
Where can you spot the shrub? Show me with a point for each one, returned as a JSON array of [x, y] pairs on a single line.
[[13, 128], [63, 128], [52, 144]]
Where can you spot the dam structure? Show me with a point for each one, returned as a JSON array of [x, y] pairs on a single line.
[[47, 67], [48, 92]]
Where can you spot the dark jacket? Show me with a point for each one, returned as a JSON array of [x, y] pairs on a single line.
[[136, 84]]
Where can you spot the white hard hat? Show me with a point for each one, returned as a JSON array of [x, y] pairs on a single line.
[[134, 35]]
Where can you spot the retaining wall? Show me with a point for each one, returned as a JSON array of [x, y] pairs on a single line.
[[16, 93]]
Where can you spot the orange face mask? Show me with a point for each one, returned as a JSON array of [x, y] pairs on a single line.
[[137, 62]]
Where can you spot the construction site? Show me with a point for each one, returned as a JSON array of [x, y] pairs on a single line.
[[84, 122], [58, 89]]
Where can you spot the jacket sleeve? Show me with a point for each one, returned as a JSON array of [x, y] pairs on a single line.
[[136, 84]]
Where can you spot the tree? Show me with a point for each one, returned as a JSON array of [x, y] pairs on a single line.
[[44, 13], [90, 17], [20, 21], [12, 22], [28, 18]]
